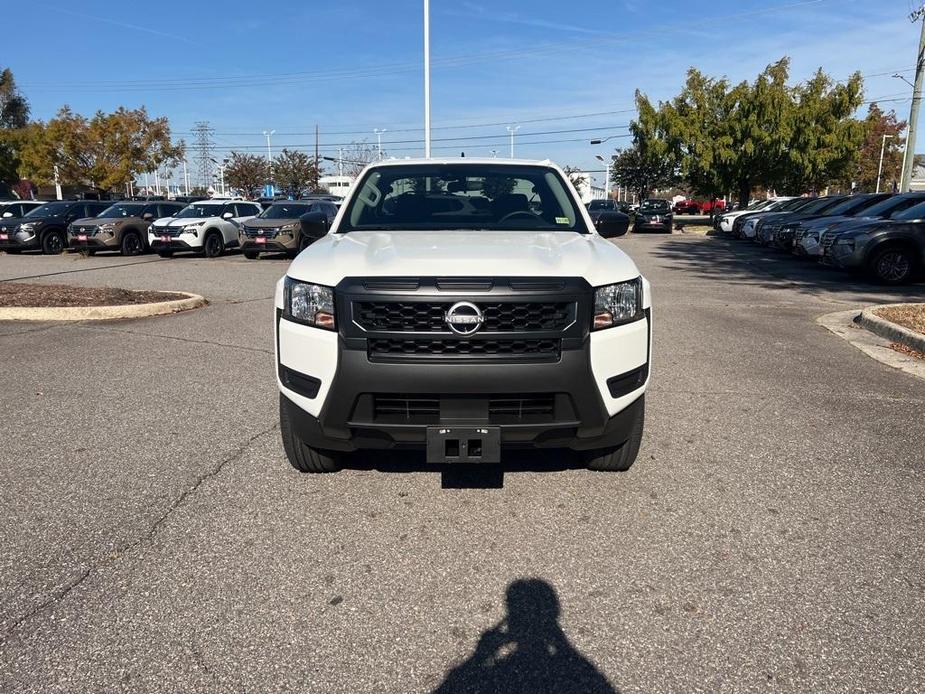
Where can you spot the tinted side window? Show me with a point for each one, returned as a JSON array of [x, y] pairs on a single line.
[[246, 210]]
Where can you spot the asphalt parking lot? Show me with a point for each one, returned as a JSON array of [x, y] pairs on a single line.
[[770, 536]]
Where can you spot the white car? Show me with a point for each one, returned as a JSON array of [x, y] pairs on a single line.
[[208, 226], [17, 208], [460, 307], [726, 220]]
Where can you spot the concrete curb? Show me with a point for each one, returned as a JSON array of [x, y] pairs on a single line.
[[889, 330], [845, 325], [76, 313]]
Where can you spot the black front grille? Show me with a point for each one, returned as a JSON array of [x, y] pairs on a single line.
[[500, 317], [542, 349], [166, 231], [522, 408], [533, 408], [415, 409], [268, 232]]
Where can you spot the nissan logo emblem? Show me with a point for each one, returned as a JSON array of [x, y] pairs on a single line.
[[464, 318]]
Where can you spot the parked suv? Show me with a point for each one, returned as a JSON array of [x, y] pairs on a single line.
[[14, 209], [279, 228], [208, 227], [45, 227], [654, 213], [816, 240], [462, 307], [122, 227], [891, 251]]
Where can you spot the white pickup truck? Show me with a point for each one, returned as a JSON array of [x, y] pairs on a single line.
[[460, 308]]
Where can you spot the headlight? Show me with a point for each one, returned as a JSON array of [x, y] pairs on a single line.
[[107, 228], [289, 227], [28, 228], [192, 228], [310, 304], [616, 304], [847, 244]]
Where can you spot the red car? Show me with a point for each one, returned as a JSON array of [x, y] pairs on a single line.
[[687, 207]]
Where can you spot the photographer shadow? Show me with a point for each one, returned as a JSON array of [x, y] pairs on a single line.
[[527, 651]]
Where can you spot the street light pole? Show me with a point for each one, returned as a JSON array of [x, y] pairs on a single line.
[[880, 168], [427, 79], [909, 162], [606, 175], [512, 131], [378, 133], [268, 133]]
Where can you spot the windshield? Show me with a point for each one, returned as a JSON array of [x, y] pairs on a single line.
[[51, 209], [655, 205], [914, 212], [199, 210], [442, 197], [601, 205], [795, 204], [288, 210], [123, 210], [821, 205]]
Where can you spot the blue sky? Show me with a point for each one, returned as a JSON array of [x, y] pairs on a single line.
[[352, 66]]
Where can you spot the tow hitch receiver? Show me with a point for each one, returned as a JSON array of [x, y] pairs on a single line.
[[452, 444]]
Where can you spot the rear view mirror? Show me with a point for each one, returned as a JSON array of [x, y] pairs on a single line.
[[610, 224]]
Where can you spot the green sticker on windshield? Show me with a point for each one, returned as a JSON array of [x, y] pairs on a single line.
[[562, 220]]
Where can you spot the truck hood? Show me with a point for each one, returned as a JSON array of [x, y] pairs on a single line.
[[462, 254]]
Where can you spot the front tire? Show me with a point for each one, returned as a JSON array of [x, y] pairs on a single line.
[[251, 255], [165, 253], [53, 243], [301, 456], [893, 265], [131, 244], [621, 458], [213, 245]]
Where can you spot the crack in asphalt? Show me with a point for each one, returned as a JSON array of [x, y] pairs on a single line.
[[85, 572], [138, 333], [85, 269]]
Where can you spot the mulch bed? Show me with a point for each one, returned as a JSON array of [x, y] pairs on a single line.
[[908, 351], [16, 294], [911, 317]]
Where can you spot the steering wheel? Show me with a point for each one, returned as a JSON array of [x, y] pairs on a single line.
[[520, 213]]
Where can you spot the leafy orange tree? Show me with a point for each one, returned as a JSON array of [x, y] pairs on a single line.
[[103, 152]]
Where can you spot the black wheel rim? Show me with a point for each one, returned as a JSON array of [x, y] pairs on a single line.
[[132, 244], [893, 266], [55, 244], [212, 246]]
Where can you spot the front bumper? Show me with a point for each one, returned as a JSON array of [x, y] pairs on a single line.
[[92, 243], [174, 244], [333, 392], [269, 246], [662, 224], [15, 242]]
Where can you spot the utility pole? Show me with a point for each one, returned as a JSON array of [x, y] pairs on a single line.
[[203, 148], [512, 131], [427, 79], [909, 162], [185, 179], [880, 168], [378, 133], [317, 161], [57, 184]]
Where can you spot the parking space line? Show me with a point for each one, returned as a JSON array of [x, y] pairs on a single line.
[[99, 328]]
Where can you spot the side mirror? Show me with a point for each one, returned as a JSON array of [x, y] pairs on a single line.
[[227, 215], [314, 224], [7, 214], [147, 216], [611, 224]]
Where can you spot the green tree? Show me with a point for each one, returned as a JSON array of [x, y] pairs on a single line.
[[641, 173], [14, 116], [104, 152], [877, 125], [294, 171], [246, 172], [576, 176]]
